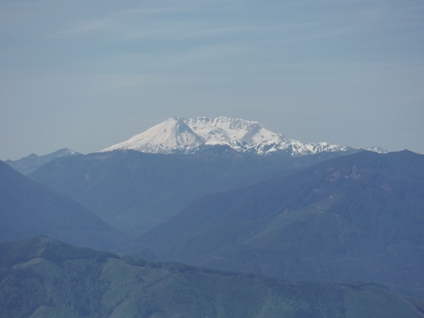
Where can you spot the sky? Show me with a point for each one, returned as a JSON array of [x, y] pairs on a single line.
[[89, 74]]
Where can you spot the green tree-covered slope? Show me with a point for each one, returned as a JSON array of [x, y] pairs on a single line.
[[41, 277]]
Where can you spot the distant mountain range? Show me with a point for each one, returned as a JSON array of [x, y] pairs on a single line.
[[32, 162], [193, 135], [190, 135]]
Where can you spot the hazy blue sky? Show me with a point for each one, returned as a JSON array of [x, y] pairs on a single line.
[[89, 74]]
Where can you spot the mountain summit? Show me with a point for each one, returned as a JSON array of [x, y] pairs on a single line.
[[31, 162], [189, 135]]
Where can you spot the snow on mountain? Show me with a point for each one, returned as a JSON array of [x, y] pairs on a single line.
[[376, 149], [189, 135], [172, 135], [224, 130]]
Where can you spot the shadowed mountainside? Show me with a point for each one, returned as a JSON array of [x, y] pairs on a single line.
[[28, 208], [357, 217]]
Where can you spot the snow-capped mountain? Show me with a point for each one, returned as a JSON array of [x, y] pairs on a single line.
[[189, 135]]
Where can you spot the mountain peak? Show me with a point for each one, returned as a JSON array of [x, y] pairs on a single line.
[[31, 162], [171, 135], [189, 135]]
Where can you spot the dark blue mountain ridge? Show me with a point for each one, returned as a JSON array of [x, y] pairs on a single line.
[[28, 208], [134, 191], [356, 217]]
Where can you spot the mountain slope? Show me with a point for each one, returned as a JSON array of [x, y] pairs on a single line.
[[190, 135], [135, 191], [32, 162], [357, 217], [28, 208], [41, 277]]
